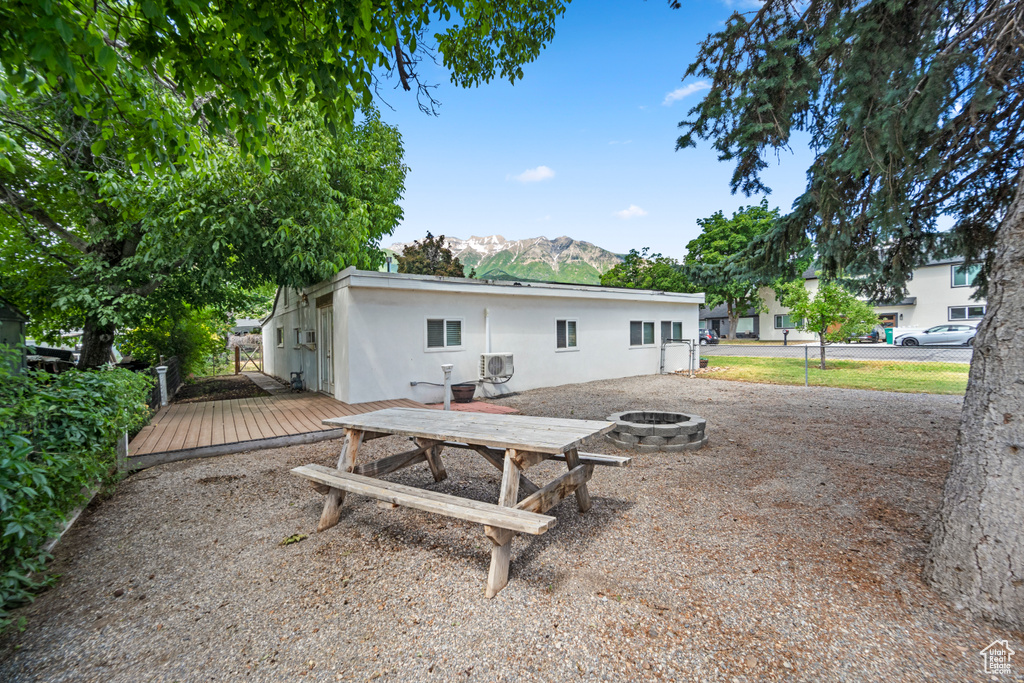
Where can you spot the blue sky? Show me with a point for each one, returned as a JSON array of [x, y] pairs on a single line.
[[584, 145]]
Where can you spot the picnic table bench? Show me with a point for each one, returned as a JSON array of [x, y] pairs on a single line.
[[512, 443]]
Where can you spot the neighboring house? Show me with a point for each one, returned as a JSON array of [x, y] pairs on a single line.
[[717, 319], [246, 326], [367, 336], [939, 292], [12, 333]]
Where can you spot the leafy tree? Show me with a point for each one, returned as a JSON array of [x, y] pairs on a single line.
[[192, 334], [914, 111], [431, 257], [711, 259], [832, 313], [231, 65], [644, 270], [88, 242]]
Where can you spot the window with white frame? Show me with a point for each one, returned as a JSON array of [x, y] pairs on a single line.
[[702, 325], [785, 322], [565, 334], [641, 332], [444, 333], [966, 312], [280, 337], [963, 276], [671, 329]]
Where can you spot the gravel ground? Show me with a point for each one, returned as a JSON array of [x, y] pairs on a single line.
[[787, 549]]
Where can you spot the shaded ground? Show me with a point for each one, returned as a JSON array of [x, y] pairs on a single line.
[[787, 549], [217, 389]]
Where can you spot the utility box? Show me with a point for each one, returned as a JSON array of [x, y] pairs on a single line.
[[12, 333]]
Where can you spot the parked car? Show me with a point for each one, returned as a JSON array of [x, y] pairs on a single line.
[[707, 337], [871, 337], [940, 334]]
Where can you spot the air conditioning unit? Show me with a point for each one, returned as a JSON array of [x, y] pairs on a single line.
[[495, 365]]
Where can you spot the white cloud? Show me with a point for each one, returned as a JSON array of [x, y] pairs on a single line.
[[685, 91], [534, 175], [633, 211]]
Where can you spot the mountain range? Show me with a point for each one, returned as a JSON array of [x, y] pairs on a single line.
[[562, 259]]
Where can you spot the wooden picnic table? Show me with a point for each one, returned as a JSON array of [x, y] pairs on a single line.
[[512, 443]]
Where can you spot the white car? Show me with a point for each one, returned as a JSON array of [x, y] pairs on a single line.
[[940, 334]]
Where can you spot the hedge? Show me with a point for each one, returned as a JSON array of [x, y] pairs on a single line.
[[58, 440]]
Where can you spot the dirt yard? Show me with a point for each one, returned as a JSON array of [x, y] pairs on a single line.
[[787, 549], [217, 389]]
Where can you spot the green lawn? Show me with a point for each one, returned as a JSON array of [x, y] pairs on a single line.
[[929, 378]]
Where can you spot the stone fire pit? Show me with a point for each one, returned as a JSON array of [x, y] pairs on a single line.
[[649, 431]]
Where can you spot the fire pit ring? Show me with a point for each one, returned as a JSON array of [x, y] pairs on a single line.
[[650, 431]]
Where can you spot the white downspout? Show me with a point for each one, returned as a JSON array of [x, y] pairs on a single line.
[[487, 330]]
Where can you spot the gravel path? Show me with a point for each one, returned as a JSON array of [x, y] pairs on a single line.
[[787, 549]]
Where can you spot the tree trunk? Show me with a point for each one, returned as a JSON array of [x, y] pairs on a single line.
[[734, 318], [976, 557], [821, 343], [97, 341]]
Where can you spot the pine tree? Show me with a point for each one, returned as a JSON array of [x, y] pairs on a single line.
[[914, 111]]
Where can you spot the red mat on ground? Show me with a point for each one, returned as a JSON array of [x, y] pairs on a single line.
[[476, 407]]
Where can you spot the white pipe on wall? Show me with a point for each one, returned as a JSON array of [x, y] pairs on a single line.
[[487, 330]]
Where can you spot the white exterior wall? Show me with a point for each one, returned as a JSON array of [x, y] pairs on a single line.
[[932, 286], [380, 331]]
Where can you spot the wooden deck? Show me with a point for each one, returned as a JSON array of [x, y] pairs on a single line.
[[182, 431]]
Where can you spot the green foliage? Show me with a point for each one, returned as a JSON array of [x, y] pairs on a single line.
[[644, 270], [431, 257], [832, 313], [87, 241], [233, 64], [913, 110], [57, 439], [716, 260], [193, 335]]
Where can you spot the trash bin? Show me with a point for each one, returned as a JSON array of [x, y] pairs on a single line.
[[888, 335]]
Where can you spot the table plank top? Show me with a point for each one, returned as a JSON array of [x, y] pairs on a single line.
[[522, 432]]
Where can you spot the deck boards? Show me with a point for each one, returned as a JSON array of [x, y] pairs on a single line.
[[187, 426]]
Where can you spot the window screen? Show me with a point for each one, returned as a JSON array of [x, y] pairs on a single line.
[[648, 333], [453, 336], [666, 330], [565, 334], [635, 333], [435, 334], [677, 330]]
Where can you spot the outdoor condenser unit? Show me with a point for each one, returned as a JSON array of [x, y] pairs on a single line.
[[495, 365]]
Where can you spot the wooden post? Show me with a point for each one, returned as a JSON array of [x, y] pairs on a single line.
[[238, 354], [336, 497], [572, 459], [434, 459], [497, 577]]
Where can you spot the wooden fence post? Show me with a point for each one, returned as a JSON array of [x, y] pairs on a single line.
[[238, 354]]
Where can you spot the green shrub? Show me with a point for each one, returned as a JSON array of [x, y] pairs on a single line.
[[58, 439], [193, 335]]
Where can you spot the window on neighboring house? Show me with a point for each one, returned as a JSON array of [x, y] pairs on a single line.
[[565, 334], [784, 322], [702, 325], [444, 333], [298, 336], [966, 312], [963, 276], [641, 332], [280, 337], [671, 329]]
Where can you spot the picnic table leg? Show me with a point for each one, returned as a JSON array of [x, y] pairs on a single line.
[[335, 497], [497, 577], [572, 459], [434, 459]]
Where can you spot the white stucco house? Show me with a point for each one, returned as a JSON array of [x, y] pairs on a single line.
[[369, 336], [939, 292]]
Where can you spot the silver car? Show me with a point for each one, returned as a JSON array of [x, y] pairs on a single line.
[[940, 334]]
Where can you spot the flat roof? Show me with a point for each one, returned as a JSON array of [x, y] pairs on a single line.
[[350, 277]]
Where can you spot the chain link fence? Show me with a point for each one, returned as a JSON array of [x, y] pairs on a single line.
[[882, 367]]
